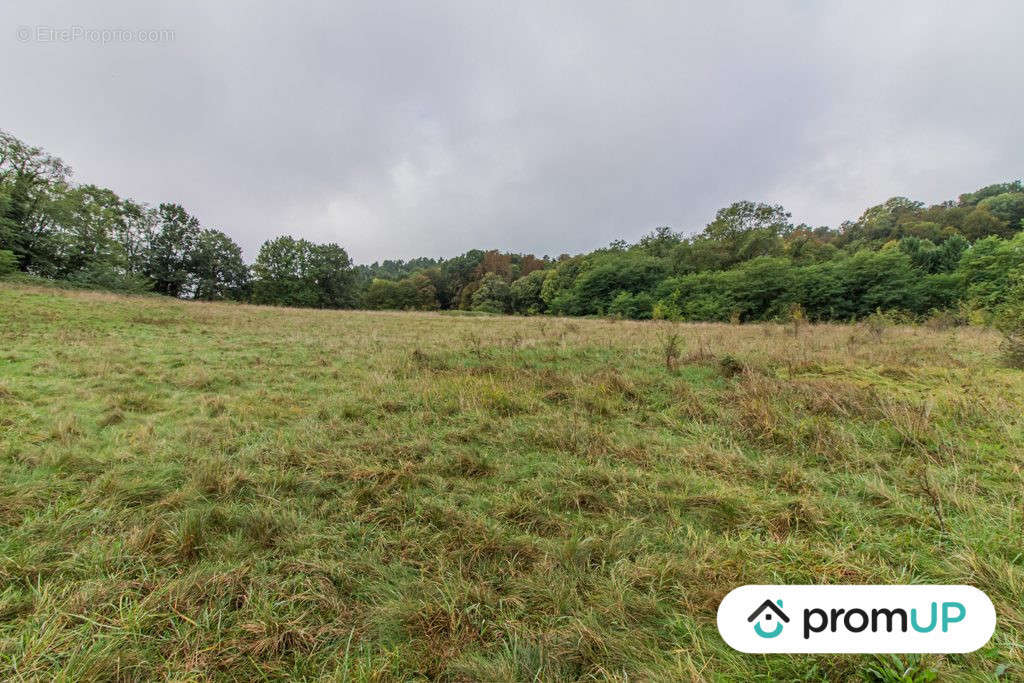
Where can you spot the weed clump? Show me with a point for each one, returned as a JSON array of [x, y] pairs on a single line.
[[113, 417], [217, 478], [670, 349], [797, 318], [426, 361], [945, 320], [702, 354], [268, 528], [470, 465], [877, 323], [730, 366]]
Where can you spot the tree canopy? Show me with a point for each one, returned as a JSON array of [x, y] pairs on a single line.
[[750, 262]]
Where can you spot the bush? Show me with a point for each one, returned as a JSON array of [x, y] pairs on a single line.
[[878, 322], [945, 319], [1013, 349], [1010, 321], [590, 286], [494, 295], [698, 296], [729, 366], [987, 271], [526, 293], [8, 262], [415, 292], [633, 306], [99, 275]]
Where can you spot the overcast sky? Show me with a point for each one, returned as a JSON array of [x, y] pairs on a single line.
[[401, 129]]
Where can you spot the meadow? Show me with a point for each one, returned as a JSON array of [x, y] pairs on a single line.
[[198, 491]]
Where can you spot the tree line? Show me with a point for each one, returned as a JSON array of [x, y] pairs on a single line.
[[751, 262]]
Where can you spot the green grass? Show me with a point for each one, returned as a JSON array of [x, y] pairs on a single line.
[[196, 491]]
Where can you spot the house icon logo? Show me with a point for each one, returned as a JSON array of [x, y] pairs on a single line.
[[764, 615]]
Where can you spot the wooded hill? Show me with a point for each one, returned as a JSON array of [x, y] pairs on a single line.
[[751, 262]]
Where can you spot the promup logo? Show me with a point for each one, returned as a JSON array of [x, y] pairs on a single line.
[[767, 611], [856, 619]]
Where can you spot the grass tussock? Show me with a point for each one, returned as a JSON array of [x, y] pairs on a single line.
[[218, 491]]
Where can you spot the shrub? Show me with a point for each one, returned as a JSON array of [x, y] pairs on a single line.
[[877, 323], [633, 306], [99, 275], [494, 295], [1013, 349], [526, 293], [944, 320], [415, 292], [8, 262], [671, 349], [797, 317], [1010, 321], [987, 270], [729, 366]]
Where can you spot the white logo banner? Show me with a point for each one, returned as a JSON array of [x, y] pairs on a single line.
[[856, 619]]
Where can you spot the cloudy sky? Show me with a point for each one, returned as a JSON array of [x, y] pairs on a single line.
[[428, 128]]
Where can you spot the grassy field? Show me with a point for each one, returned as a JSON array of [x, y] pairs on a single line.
[[198, 491]]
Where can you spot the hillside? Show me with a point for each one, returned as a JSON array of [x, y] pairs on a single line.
[[213, 490]]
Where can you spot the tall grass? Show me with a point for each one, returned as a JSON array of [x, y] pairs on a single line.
[[197, 491]]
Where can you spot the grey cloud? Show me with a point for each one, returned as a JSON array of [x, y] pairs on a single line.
[[408, 128]]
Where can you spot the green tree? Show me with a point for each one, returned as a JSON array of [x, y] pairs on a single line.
[[279, 274], [877, 280], [739, 232], [8, 262], [805, 245], [658, 243], [415, 292], [493, 295], [696, 296], [930, 258], [384, 295], [1009, 319], [218, 269], [973, 198], [443, 294], [30, 182], [980, 224], [761, 288], [949, 254], [290, 272], [1007, 207], [987, 270], [526, 293], [638, 306], [459, 273], [170, 257], [89, 218], [134, 234], [610, 273], [882, 223], [329, 268], [424, 294], [556, 291]]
